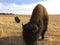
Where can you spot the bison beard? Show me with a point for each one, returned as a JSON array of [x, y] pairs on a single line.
[[38, 19]]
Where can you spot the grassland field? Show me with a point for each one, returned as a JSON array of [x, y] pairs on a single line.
[[11, 32]]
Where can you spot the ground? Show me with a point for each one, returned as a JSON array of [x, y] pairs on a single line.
[[11, 32]]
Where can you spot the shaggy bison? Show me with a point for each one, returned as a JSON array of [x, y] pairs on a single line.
[[37, 26], [17, 19]]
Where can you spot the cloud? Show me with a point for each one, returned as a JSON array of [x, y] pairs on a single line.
[[52, 7], [14, 8]]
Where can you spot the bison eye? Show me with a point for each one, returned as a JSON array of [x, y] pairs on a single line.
[[34, 31]]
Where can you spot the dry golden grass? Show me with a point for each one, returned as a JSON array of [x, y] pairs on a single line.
[[11, 32]]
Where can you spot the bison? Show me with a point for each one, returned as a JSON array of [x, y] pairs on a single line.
[[37, 26]]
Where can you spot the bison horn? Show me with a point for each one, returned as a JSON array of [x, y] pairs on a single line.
[[36, 29]]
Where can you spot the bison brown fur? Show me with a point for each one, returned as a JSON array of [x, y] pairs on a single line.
[[40, 18]]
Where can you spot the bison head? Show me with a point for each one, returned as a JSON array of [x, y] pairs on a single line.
[[33, 28], [30, 33]]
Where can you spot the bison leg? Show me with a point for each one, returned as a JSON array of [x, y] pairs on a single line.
[[45, 22], [43, 33]]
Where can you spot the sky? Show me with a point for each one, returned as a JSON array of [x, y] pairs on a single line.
[[27, 6]]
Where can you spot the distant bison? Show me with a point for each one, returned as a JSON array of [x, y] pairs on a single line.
[[37, 26], [17, 19]]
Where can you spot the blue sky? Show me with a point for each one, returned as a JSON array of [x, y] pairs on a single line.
[[27, 6], [19, 2]]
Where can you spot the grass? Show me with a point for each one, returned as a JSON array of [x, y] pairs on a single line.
[[11, 32]]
